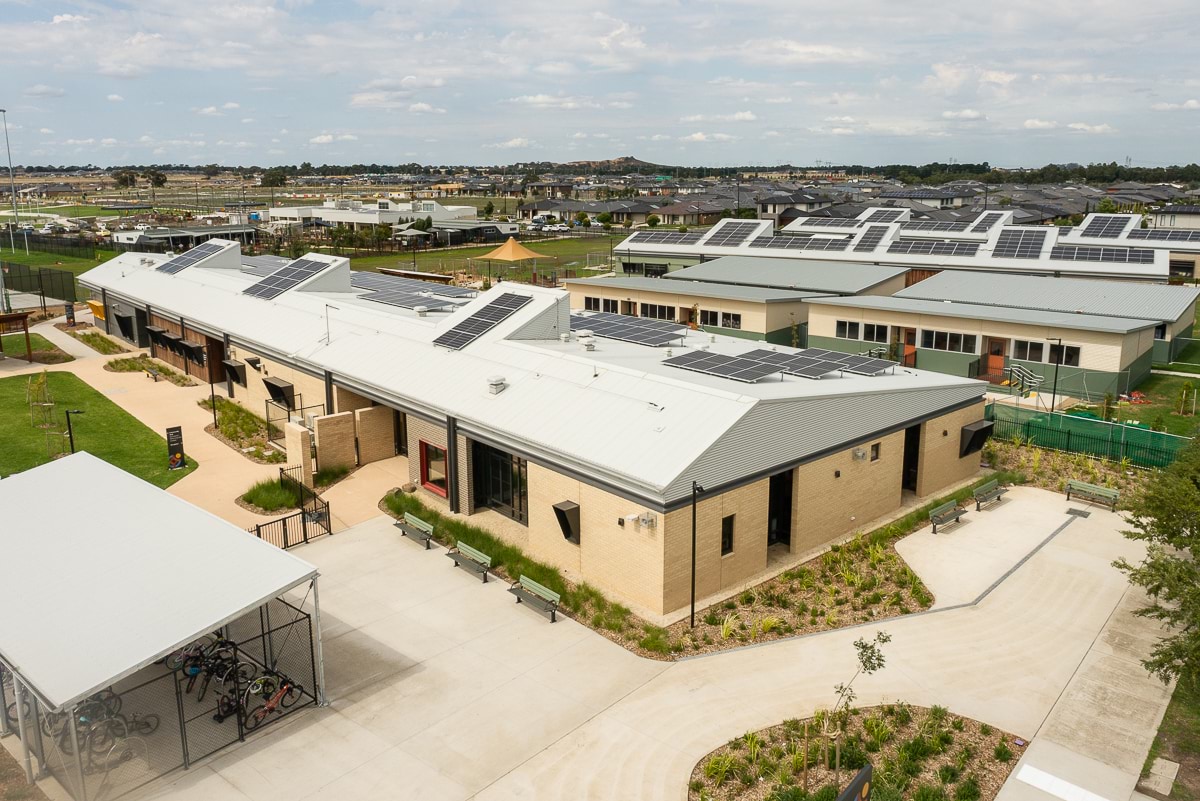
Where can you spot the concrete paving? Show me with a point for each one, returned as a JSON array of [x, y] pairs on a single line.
[[443, 688]]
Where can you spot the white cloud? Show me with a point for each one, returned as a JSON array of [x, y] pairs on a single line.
[[772, 133], [108, 141], [114, 99], [789, 51], [842, 131], [321, 139], [619, 104], [556, 68], [45, 131], [42, 90], [737, 116], [997, 77], [209, 111], [66, 19], [79, 142], [1187, 105], [1083, 127], [777, 100], [843, 120], [512, 144], [392, 93], [964, 114], [946, 77], [247, 120], [579, 135], [347, 138], [659, 138], [231, 105], [701, 136], [554, 101], [425, 108], [1040, 125]]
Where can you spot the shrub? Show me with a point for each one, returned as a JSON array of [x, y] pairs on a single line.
[[98, 342], [827, 793], [957, 724], [696, 785], [656, 639], [929, 792], [985, 729], [1002, 752], [328, 475], [788, 794], [947, 774], [967, 790], [729, 625], [769, 624], [746, 598], [938, 713], [717, 768], [711, 619], [271, 495]]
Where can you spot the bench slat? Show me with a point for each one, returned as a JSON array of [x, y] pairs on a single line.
[[946, 513], [536, 595], [1103, 494], [417, 522], [539, 589], [479, 556]]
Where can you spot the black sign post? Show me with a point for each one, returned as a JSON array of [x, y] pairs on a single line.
[[859, 788], [71, 314], [175, 458]]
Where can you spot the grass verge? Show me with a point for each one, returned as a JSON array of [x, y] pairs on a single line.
[[327, 476], [44, 351], [271, 495], [1179, 741], [96, 340], [104, 430], [141, 363]]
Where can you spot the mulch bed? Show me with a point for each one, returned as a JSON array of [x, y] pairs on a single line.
[[251, 455]]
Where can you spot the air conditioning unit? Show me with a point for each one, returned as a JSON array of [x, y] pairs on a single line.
[[310, 421]]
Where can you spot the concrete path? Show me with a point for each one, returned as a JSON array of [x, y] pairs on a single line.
[[443, 688]]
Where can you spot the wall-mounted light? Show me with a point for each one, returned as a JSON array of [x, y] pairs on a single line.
[[837, 473]]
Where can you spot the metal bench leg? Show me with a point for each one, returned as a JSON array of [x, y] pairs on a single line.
[[483, 575], [552, 615], [427, 543]]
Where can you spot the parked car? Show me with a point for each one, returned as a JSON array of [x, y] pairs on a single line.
[[535, 227], [141, 227], [559, 227]]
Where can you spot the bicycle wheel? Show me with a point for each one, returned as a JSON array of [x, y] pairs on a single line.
[[109, 700], [10, 714], [256, 718], [205, 680], [291, 695], [102, 735], [145, 724]]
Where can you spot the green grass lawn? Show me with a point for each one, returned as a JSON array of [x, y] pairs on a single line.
[[104, 430], [1179, 740], [1163, 392], [44, 350], [1186, 361], [37, 258], [71, 211]]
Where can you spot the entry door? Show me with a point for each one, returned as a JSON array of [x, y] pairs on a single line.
[[629, 308], [779, 509], [996, 349], [910, 347]]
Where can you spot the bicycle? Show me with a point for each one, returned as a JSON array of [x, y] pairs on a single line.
[[287, 694]]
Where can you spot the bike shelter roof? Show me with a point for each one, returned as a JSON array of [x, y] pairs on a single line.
[[106, 574]]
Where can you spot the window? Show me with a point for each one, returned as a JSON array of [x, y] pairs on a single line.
[[1064, 354], [846, 330], [1028, 351], [873, 332], [610, 306], [731, 320], [657, 312], [634, 268], [591, 304], [501, 482], [944, 340], [1160, 331], [727, 535], [875, 452], [708, 317], [433, 469]]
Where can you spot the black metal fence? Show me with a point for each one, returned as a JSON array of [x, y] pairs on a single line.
[[46, 282], [75, 246], [1064, 439], [311, 521]]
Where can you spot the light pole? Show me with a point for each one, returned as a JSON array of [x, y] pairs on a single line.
[[71, 431], [696, 490], [1057, 362], [212, 391], [12, 185]]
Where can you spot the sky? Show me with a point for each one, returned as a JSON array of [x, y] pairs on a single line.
[[735, 82]]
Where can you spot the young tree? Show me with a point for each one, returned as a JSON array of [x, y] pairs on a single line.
[[653, 220], [125, 179], [1107, 206], [274, 177], [157, 178], [582, 218], [1166, 516], [604, 218], [489, 208], [211, 171]]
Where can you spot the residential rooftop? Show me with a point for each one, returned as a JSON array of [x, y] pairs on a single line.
[[700, 289], [804, 275]]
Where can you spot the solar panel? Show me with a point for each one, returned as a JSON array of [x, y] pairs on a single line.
[[817, 362], [667, 237], [1016, 243], [363, 279], [934, 225], [1115, 255], [986, 222], [731, 234], [1164, 236], [283, 279], [196, 254], [871, 239], [406, 300], [482, 321], [828, 222], [737, 368], [933, 247], [641, 330], [801, 242], [884, 216], [1106, 226]]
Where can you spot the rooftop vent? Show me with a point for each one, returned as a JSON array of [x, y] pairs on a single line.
[[564, 337], [589, 346], [496, 384], [421, 310]]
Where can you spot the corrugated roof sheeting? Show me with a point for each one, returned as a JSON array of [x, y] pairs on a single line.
[[798, 274]]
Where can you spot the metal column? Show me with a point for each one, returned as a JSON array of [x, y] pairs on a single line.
[[320, 655], [71, 715], [328, 392], [22, 726], [452, 463]]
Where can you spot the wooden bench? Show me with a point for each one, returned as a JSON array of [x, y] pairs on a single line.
[[415, 527], [986, 493], [1104, 495], [536, 595], [945, 514], [467, 557], [152, 373]]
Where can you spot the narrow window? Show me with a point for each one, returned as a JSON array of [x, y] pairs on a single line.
[[731, 320], [875, 452], [433, 469], [610, 306], [727, 535], [591, 304]]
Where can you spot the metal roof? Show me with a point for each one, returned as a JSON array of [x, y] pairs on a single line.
[[75, 641], [1078, 322], [700, 289], [806, 275], [1108, 298]]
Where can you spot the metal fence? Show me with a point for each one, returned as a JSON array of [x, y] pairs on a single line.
[[1063, 432], [59, 245], [161, 719], [297, 528], [46, 282]]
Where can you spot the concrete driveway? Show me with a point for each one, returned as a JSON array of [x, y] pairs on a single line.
[[444, 688]]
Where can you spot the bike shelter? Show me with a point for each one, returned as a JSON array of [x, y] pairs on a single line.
[[97, 609]]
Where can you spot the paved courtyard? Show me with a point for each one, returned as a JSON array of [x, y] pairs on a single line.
[[444, 688]]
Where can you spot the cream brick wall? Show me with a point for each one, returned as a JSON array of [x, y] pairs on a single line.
[[940, 465], [827, 506], [422, 430], [754, 315], [376, 428], [335, 440], [299, 449], [714, 572], [309, 389], [346, 401]]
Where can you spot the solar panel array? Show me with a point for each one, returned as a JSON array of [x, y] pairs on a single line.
[[1164, 236], [1115, 255], [262, 270], [1015, 243], [884, 216], [1106, 226], [667, 238], [731, 234], [986, 222], [811, 363], [196, 254], [283, 279], [934, 225], [642, 330], [934, 248], [482, 321], [362, 279], [871, 239], [828, 222], [800, 243]]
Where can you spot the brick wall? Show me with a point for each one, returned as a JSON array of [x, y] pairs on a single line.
[[299, 449], [346, 401], [376, 427], [309, 389], [422, 430], [335, 440], [940, 465]]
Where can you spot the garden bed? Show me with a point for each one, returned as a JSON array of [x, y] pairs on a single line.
[[269, 496], [1051, 470], [93, 338], [141, 363], [244, 431], [918, 754]]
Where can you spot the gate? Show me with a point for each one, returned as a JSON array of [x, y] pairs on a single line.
[[311, 521]]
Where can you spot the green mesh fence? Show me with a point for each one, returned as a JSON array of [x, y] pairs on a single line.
[[1065, 432]]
